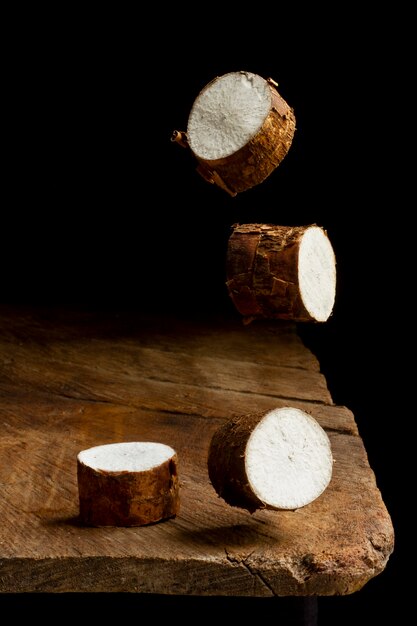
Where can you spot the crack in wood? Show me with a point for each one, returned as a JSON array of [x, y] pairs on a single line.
[[242, 562], [261, 578]]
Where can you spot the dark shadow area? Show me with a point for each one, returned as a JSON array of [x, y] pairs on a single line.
[[237, 535], [170, 609]]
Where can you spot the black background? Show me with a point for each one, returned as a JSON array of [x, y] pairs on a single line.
[[101, 210]]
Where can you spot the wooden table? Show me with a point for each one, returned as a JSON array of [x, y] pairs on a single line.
[[74, 379]]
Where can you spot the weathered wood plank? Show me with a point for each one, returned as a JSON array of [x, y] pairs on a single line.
[[65, 392], [157, 396], [196, 338], [108, 373]]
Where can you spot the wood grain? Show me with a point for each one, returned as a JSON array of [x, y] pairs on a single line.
[[70, 380]]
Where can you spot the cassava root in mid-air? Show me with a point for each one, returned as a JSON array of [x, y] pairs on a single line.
[[280, 459], [239, 130], [286, 272]]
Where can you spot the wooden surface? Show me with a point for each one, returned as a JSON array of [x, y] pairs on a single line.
[[71, 380]]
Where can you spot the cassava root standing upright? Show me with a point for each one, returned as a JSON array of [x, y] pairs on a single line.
[[128, 484]]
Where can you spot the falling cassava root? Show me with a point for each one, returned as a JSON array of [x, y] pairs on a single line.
[[239, 130], [280, 459], [281, 272]]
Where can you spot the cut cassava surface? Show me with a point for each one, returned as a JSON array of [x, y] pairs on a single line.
[[281, 459], [239, 129], [281, 272], [127, 484]]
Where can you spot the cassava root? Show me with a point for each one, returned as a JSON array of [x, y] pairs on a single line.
[[281, 459], [239, 130], [127, 484], [286, 272]]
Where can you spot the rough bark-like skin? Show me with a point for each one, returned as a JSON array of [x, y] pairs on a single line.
[[262, 271], [226, 462], [255, 161], [128, 498]]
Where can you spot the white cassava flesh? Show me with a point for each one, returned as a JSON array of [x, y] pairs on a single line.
[[227, 114], [288, 459], [317, 273], [281, 459], [136, 456]]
